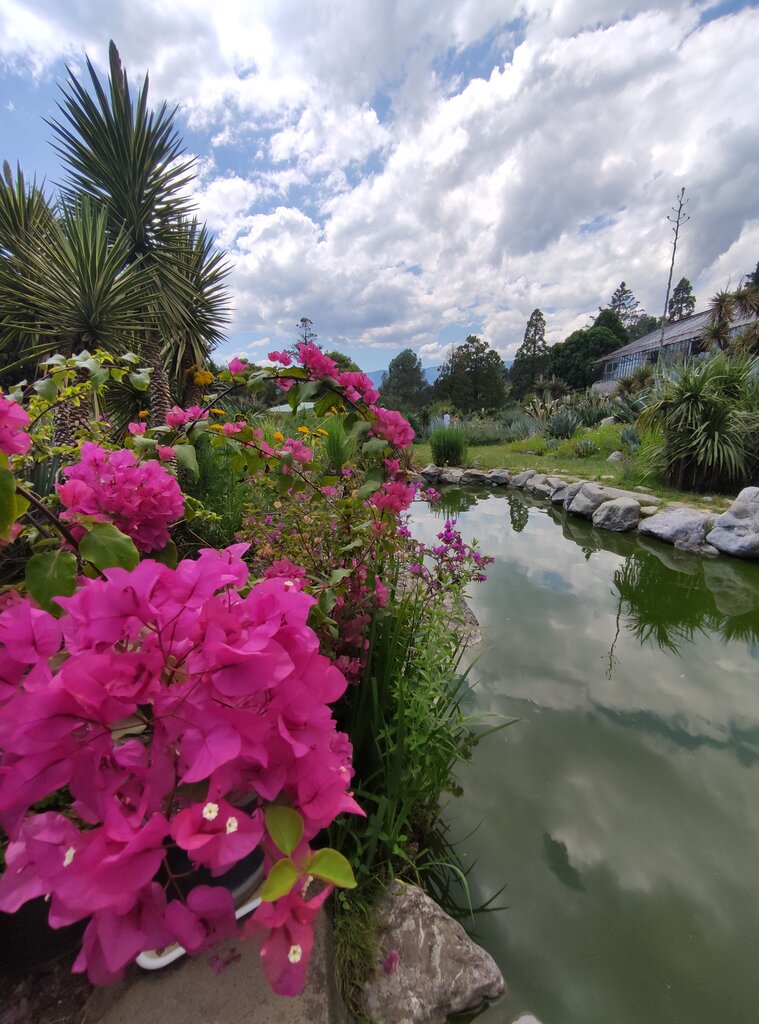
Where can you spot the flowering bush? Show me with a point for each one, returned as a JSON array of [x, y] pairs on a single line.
[[182, 709], [141, 499]]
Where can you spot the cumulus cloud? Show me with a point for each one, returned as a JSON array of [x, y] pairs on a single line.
[[395, 172]]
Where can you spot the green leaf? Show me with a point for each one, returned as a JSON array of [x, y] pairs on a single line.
[[7, 501], [47, 388], [187, 458], [285, 826], [49, 575], [376, 446], [369, 488], [338, 575], [105, 546], [331, 866], [167, 556], [282, 878], [131, 358], [324, 404], [327, 601], [140, 380]]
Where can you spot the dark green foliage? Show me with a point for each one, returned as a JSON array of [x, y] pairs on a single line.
[[683, 301], [574, 359], [644, 324], [305, 332], [448, 446], [345, 363], [472, 378], [608, 318], [625, 305], [562, 424], [518, 513], [403, 385], [531, 359]]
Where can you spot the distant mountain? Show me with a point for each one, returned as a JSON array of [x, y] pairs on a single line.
[[431, 373]]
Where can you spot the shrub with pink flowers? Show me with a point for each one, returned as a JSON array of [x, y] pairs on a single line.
[[185, 702], [142, 499]]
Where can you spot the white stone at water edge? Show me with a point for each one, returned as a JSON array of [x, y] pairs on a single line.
[[736, 532]]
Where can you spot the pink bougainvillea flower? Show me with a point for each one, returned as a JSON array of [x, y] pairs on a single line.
[[171, 679], [238, 365], [141, 498], [286, 951], [165, 452], [195, 412], [112, 940], [14, 421], [392, 426], [395, 497], [217, 834], [137, 428], [177, 417], [234, 428], [315, 361], [280, 357], [207, 917]]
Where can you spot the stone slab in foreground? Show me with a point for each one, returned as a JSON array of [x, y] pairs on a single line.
[[434, 969], [189, 991]]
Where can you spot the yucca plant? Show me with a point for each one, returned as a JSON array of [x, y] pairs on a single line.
[[708, 417]]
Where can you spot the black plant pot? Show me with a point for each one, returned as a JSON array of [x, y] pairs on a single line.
[[27, 941]]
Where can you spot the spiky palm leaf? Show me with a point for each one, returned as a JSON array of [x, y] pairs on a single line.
[[124, 156], [69, 288]]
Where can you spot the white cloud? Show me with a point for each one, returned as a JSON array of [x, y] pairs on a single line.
[[395, 171]]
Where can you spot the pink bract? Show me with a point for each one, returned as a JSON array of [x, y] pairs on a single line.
[[14, 421], [141, 498], [172, 680]]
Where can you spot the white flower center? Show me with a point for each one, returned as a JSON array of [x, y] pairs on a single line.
[[295, 955], [69, 856], [289, 586], [210, 811], [231, 825]]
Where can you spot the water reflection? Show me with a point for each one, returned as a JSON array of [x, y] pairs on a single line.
[[669, 607], [621, 811]]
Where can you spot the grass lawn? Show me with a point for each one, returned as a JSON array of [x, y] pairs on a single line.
[[562, 461]]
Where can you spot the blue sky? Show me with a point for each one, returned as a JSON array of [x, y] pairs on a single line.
[[406, 174]]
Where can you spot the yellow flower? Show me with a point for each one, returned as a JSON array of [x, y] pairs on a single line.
[[143, 414], [202, 377], [216, 426], [219, 412], [303, 430], [322, 432], [278, 436]]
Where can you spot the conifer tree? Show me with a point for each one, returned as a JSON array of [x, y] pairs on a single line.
[[683, 301]]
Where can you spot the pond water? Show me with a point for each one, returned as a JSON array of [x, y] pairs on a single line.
[[621, 812]]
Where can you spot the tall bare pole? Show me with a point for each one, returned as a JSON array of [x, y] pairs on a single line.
[[679, 219]]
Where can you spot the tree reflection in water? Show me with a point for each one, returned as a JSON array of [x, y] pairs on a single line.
[[668, 607], [518, 513]]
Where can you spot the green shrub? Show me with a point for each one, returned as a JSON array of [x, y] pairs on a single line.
[[562, 424], [448, 446], [484, 432], [586, 448], [708, 415]]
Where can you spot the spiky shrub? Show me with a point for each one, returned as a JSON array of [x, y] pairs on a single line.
[[586, 448], [523, 427], [707, 415], [562, 424], [630, 439], [448, 446]]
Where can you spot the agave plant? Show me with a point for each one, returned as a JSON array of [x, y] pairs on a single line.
[[562, 424]]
